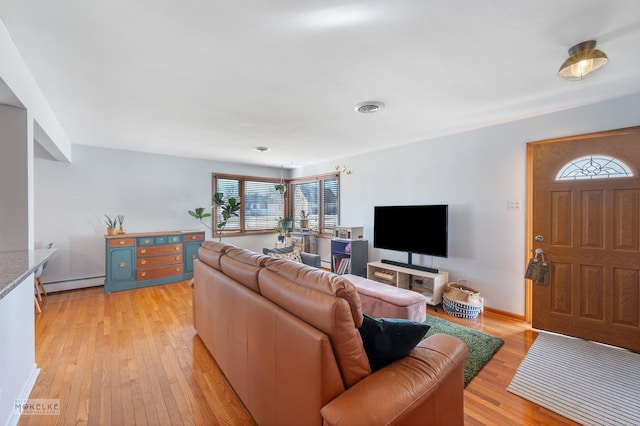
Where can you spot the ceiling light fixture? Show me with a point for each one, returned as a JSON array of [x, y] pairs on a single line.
[[368, 107], [262, 148], [344, 169], [583, 60]]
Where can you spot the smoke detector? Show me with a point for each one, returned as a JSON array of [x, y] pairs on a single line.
[[368, 107]]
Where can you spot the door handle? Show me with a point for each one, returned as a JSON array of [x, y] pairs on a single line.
[[539, 238]]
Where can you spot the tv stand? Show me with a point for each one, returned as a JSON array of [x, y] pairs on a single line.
[[430, 284], [410, 266]]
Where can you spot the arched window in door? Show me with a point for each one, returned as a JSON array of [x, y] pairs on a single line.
[[594, 167]]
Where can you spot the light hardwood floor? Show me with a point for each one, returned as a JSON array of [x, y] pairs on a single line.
[[133, 357]]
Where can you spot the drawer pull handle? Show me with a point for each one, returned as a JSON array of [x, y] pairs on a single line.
[[122, 242], [147, 241], [178, 248], [177, 269], [177, 257], [144, 274], [142, 262], [143, 251], [193, 256], [122, 264], [193, 237]]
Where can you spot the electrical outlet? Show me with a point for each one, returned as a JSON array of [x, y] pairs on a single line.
[[513, 205]]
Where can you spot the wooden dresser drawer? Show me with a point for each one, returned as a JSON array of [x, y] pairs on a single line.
[[158, 250], [168, 259], [121, 242], [194, 237], [158, 272], [146, 241]]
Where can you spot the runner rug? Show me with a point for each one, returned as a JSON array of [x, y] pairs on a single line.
[[587, 382]]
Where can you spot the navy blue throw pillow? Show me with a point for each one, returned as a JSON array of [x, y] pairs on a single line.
[[388, 339]]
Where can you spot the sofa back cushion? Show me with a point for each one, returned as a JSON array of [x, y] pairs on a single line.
[[243, 265], [323, 301], [322, 281], [210, 253]]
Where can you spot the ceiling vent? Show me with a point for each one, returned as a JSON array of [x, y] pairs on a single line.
[[368, 107]]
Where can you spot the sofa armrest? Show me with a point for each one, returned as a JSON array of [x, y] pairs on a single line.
[[425, 387], [311, 259]]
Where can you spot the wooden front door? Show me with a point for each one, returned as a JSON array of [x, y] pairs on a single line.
[[589, 229]]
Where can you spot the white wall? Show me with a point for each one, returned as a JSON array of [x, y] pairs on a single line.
[[476, 173], [14, 179], [153, 192], [18, 127], [16, 75]]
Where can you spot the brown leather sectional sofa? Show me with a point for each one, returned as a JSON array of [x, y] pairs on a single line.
[[286, 337]]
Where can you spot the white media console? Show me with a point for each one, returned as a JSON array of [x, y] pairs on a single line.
[[430, 284]]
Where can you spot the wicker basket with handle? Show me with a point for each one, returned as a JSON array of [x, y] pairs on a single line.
[[460, 300]]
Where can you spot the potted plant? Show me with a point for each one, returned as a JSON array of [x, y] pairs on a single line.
[[228, 208], [281, 188], [304, 219], [278, 229], [112, 225], [199, 213], [286, 223]]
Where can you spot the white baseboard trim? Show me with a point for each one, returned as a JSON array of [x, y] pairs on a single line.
[[74, 284], [24, 394]]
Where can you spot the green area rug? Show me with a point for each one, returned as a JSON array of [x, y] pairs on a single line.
[[481, 346]]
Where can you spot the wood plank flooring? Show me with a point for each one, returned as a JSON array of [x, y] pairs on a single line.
[[133, 358]]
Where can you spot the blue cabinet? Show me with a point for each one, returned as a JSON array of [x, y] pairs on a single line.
[[192, 243], [141, 260], [120, 264]]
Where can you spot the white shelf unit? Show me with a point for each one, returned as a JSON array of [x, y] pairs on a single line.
[[430, 284]]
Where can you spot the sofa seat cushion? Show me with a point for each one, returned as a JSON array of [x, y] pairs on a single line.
[[386, 301]]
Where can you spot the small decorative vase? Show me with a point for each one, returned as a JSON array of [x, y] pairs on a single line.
[[112, 231], [304, 223]]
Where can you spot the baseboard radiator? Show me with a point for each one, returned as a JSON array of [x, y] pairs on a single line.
[[74, 283]]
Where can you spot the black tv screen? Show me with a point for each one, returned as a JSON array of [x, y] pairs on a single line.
[[412, 229]]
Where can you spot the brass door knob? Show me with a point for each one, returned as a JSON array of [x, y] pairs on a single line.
[[122, 264], [193, 256]]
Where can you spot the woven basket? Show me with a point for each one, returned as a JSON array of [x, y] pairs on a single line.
[[460, 292], [460, 300], [461, 310]]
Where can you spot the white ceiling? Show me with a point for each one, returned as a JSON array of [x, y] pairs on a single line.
[[214, 79]]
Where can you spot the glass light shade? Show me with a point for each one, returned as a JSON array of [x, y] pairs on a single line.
[[583, 60]]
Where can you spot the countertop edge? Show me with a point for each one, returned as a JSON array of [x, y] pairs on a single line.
[[32, 258]]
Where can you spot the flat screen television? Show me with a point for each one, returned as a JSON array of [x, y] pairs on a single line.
[[412, 229]]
